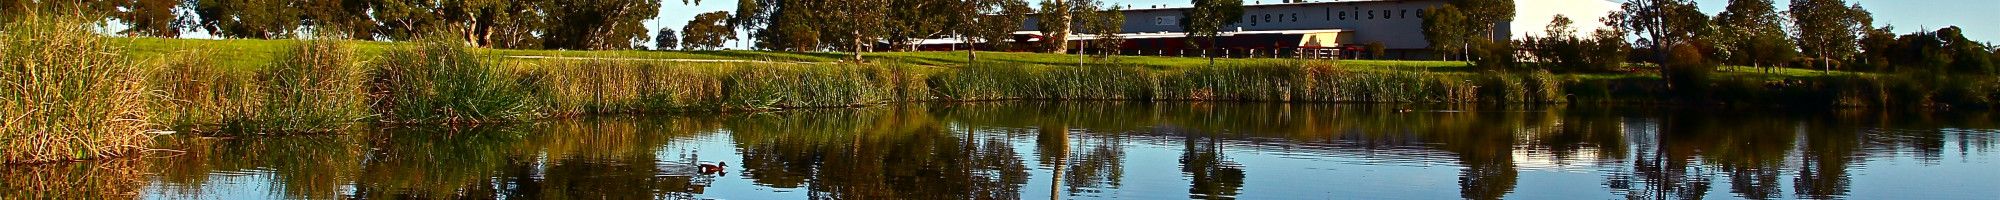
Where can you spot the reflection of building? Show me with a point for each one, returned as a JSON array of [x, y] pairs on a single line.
[[1282, 28]]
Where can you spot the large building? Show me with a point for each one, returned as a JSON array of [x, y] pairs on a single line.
[[1285, 29]]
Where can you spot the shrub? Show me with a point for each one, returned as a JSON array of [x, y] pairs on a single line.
[[69, 94]]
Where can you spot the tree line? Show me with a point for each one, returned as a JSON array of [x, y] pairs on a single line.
[[868, 25], [1675, 36], [519, 24]]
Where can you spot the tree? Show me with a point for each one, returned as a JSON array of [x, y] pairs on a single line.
[[1104, 22], [598, 24], [861, 22], [750, 14], [248, 18], [155, 18], [1207, 19], [1826, 29], [1967, 57], [1664, 25], [1753, 33], [1878, 47], [1447, 30], [1561, 49], [707, 31], [1485, 15], [916, 20], [403, 20], [1054, 21], [667, 41], [987, 21], [339, 18]]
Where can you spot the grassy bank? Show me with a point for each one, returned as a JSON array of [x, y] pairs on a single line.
[[127, 86]]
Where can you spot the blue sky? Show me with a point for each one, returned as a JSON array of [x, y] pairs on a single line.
[[1979, 18]]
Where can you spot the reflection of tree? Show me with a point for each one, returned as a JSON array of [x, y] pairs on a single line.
[[1823, 162], [876, 153], [1100, 164], [1213, 175], [1663, 164], [1485, 154]]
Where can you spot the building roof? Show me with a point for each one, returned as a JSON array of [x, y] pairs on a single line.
[[1135, 8], [1145, 35]]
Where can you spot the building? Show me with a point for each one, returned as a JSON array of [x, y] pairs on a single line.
[[1284, 29]]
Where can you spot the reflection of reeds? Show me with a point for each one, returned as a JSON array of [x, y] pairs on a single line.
[[104, 179], [307, 166], [68, 94]]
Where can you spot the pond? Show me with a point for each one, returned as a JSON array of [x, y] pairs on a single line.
[[1089, 150]]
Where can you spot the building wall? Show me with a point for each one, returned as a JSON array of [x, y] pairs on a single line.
[[1395, 23]]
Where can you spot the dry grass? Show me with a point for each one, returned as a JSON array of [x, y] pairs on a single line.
[[69, 94]]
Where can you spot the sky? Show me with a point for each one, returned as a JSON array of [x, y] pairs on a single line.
[[1979, 18]]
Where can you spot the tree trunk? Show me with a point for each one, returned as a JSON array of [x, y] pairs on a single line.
[[857, 46], [1059, 41]]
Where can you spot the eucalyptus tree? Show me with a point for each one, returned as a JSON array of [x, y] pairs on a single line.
[[599, 24], [1207, 20], [1447, 30], [987, 21], [750, 15], [915, 20], [861, 22], [1753, 33], [248, 18], [1664, 25], [1055, 20], [666, 40], [1104, 22], [1826, 29], [707, 31], [1485, 15], [341, 18], [155, 18]]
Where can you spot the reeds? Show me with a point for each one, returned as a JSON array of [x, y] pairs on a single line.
[[571, 88], [770, 86], [440, 81], [68, 94], [316, 87]]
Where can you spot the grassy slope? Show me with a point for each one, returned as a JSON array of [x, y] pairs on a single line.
[[248, 54]]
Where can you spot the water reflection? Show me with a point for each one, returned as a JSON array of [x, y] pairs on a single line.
[[1018, 150]]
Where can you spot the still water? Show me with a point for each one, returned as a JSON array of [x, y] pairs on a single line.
[[1091, 150]]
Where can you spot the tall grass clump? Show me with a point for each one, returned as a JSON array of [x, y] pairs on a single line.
[[193, 94], [1243, 82], [808, 86], [982, 82], [1531, 87], [440, 81], [1402, 87], [68, 94], [316, 87], [569, 88]]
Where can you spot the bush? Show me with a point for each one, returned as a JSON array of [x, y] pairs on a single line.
[[70, 94], [1688, 68]]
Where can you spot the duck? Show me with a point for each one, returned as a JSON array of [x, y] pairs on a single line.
[[707, 168]]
